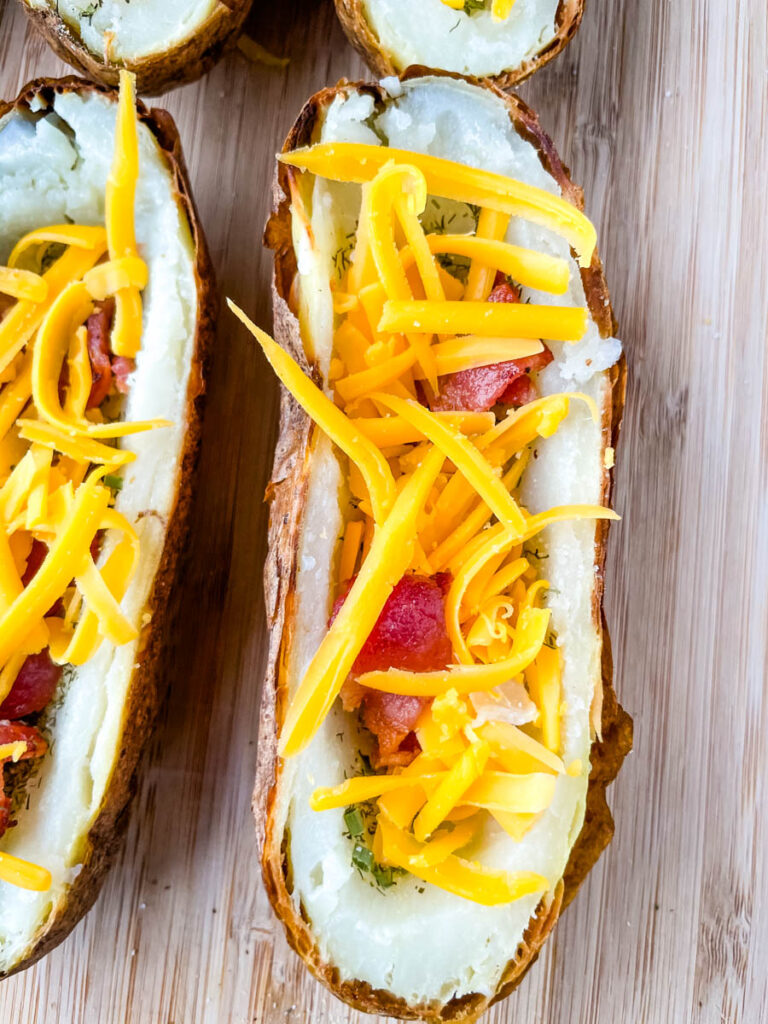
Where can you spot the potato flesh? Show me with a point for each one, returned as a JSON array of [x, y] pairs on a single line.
[[385, 940], [132, 28], [433, 34], [52, 172]]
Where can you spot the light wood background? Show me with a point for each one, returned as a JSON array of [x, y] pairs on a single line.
[[661, 109]]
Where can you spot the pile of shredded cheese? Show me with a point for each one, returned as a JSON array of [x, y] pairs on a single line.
[[59, 464], [437, 491]]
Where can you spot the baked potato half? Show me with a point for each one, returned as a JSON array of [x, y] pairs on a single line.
[[90, 710], [481, 38], [356, 890], [165, 43]]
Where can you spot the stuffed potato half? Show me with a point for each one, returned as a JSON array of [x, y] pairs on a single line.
[[485, 38], [394, 913], [108, 305], [164, 42]]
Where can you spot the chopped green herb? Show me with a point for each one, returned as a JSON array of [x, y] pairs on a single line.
[[362, 857], [470, 6], [115, 482], [353, 819], [383, 876]]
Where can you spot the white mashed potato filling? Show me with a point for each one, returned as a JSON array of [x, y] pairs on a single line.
[[53, 170], [472, 43], [415, 940], [131, 29]]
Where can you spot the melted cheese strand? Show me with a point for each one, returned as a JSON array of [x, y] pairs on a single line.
[[358, 162], [332, 421]]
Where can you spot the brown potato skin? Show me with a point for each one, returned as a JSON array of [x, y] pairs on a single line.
[[361, 35], [158, 72], [287, 492], [146, 687]]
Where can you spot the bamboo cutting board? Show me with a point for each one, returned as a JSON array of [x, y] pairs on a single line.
[[661, 110]]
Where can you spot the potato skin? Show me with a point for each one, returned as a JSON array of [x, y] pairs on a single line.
[[287, 493], [146, 690], [361, 35], [159, 72]]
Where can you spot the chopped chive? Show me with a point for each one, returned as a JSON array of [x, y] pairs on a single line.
[[353, 819], [383, 876], [115, 482], [362, 857]]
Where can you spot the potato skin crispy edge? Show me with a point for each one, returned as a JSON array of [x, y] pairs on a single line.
[[287, 494], [147, 688], [155, 74], [362, 37]]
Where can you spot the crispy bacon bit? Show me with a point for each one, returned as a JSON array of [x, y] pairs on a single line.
[[36, 558], [122, 368], [409, 634], [12, 732], [483, 386], [33, 688], [99, 325]]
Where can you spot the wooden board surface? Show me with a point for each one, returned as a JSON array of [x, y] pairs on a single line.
[[661, 109]]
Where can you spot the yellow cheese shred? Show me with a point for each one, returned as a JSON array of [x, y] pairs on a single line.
[[367, 787], [491, 225], [465, 456], [360, 162], [366, 456], [22, 320], [23, 284], [499, 319], [450, 791], [455, 874], [120, 198], [54, 338], [527, 267], [530, 633], [80, 235], [24, 874], [389, 557], [64, 561]]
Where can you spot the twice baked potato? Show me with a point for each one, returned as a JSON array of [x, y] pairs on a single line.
[[165, 43], [494, 39], [431, 779], [106, 316]]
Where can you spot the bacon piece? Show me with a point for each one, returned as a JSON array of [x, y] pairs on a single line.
[[12, 732], [33, 687], [122, 368], [99, 324], [483, 386], [520, 392], [36, 558], [409, 634]]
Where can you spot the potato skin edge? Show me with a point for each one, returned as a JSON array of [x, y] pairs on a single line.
[[362, 37], [146, 689], [286, 494], [156, 73]]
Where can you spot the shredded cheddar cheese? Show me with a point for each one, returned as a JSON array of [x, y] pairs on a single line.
[[434, 491], [56, 451]]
